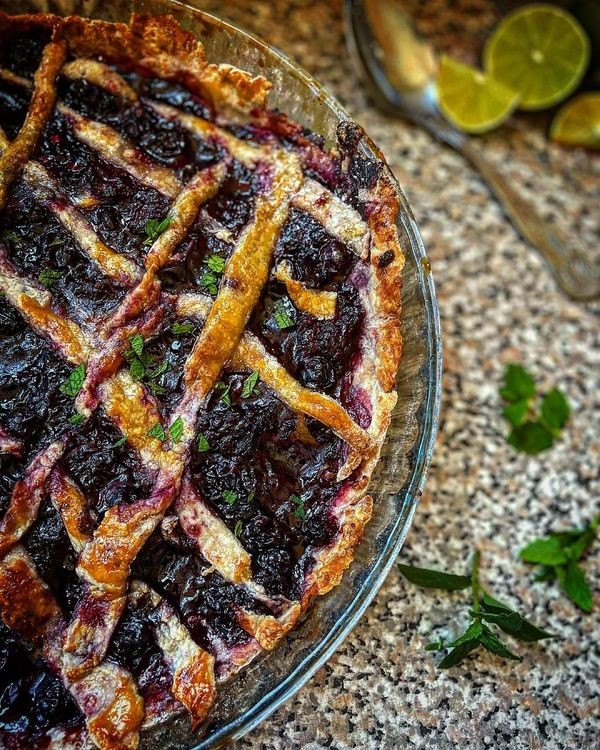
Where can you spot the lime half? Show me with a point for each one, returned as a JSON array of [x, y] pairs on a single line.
[[472, 100], [541, 52], [577, 123]]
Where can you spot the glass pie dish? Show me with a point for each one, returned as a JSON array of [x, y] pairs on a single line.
[[397, 482]]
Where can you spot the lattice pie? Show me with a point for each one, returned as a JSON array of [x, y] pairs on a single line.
[[199, 337]]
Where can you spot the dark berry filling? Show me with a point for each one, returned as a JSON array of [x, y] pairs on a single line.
[[21, 52], [14, 103], [32, 699], [122, 206]]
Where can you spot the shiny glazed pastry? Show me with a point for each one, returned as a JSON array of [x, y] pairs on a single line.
[[199, 338]]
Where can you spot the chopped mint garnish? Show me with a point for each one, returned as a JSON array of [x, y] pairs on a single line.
[[249, 386], [298, 502], [73, 383], [176, 430], [154, 228], [216, 263], [209, 281], [118, 443], [282, 316], [238, 528], [77, 419], [229, 497], [202, 444], [49, 276], [157, 432], [178, 329], [226, 395]]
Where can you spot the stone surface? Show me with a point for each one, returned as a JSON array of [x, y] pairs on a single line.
[[498, 304]]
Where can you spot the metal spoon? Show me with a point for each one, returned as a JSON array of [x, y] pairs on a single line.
[[399, 68]]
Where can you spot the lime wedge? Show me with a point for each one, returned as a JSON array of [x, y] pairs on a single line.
[[577, 123], [470, 99], [539, 51]]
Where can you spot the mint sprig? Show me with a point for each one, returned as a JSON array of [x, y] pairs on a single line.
[[486, 613], [143, 367], [154, 228], [558, 556], [73, 383], [535, 422]]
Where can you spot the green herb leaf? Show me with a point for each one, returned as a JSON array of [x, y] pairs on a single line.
[[176, 430], [545, 573], [471, 633], [510, 621], [434, 579], [77, 419], [202, 443], [155, 227], [458, 654], [209, 281], [178, 329], [137, 369], [73, 383], [555, 410], [118, 443], [573, 582], [531, 438], [281, 315], [547, 551], [137, 344], [251, 496], [12, 236], [216, 263], [157, 432], [515, 413], [49, 276], [494, 645], [249, 385], [238, 528], [518, 384], [229, 497], [299, 509], [159, 369], [225, 396]]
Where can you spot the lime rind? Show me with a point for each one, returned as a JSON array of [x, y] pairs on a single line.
[[563, 46], [577, 123], [471, 100]]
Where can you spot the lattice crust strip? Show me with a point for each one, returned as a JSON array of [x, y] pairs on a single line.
[[104, 691]]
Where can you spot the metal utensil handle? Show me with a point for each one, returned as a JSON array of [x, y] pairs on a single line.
[[577, 275]]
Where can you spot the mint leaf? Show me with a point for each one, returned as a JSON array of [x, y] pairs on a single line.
[[73, 383], [251, 496], [49, 276], [249, 385], [137, 344], [229, 497], [282, 316], [573, 582], [298, 502], [216, 263], [546, 551], [238, 528], [511, 622], [555, 410], [157, 432], [434, 579], [202, 443], [118, 443], [77, 419], [209, 281], [178, 329], [137, 369], [226, 395], [438, 645], [154, 228], [518, 384], [531, 438], [458, 654], [516, 412], [176, 430], [471, 633], [494, 645]]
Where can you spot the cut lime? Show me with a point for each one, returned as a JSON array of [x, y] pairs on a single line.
[[470, 99], [541, 52], [577, 123]]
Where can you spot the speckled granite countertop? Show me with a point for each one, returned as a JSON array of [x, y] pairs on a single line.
[[498, 304]]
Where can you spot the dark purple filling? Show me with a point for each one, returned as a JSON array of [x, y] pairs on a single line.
[[31, 404], [123, 207], [107, 472], [315, 351], [32, 699], [14, 103], [234, 204], [316, 258], [189, 267], [21, 52], [168, 92], [37, 244]]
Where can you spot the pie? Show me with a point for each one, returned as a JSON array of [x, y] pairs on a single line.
[[199, 338]]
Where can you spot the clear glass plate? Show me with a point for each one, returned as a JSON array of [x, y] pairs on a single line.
[[399, 478]]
